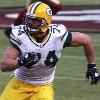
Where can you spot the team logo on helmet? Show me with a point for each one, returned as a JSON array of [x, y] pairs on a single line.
[[49, 11]]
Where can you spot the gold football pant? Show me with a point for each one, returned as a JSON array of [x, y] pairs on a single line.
[[17, 90]]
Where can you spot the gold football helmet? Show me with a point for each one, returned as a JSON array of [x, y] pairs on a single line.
[[38, 18]]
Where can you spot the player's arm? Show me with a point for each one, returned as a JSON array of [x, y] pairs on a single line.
[[10, 62], [80, 39]]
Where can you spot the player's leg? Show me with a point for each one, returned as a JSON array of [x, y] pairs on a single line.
[[16, 90], [45, 92]]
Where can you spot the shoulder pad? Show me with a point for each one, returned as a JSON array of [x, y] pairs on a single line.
[[58, 30], [18, 30], [17, 33]]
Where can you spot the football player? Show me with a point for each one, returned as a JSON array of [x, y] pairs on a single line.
[[35, 49], [55, 5]]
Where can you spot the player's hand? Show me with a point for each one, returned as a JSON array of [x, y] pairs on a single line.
[[29, 59], [92, 74]]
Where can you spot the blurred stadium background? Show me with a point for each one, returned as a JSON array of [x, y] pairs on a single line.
[[70, 83]]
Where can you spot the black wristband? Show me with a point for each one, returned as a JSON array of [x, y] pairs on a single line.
[[91, 66]]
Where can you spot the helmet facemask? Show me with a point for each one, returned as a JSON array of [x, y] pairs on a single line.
[[35, 25]]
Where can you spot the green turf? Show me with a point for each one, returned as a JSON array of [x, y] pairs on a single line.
[[4, 77], [70, 83], [80, 2], [11, 3]]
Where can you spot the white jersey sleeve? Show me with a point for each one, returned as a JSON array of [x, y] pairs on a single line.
[[16, 36], [16, 32], [64, 35]]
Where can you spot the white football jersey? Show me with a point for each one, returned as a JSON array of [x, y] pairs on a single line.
[[49, 52]]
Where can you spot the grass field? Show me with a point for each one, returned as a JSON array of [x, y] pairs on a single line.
[[9, 3], [70, 83]]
